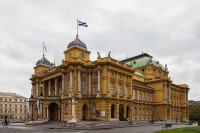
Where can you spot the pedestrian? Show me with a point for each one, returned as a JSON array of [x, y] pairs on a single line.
[[5, 123]]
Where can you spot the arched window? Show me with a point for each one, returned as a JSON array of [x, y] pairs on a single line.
[[93, 108], [82, 55], [69, 55], [111, 89], [96, 89], [119, 90], [83, 87], [66, 109], [126, 91]]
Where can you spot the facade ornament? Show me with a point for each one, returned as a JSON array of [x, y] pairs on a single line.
[[109, 53], [98, 54]]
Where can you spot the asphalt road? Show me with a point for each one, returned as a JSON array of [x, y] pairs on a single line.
[[49, 129]]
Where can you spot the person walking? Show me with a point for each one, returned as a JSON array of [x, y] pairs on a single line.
[[5, 123]]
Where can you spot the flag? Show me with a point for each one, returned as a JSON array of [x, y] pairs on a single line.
[[82, 23], [44, 47]]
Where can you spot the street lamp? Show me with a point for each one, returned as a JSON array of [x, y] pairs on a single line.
[[181, 116]]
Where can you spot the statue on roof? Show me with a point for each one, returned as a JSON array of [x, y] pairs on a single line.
[[109, 53], [98, 55], [166, 69]]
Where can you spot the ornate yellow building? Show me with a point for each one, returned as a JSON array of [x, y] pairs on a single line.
[[105, 89]]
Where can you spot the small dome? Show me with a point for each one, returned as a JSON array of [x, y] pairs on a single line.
[[44, 61], [77, 42]]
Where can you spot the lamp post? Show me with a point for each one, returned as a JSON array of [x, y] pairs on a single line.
[[181, 116], [152, 115]]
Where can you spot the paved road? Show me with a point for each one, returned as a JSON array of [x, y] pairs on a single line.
[[49, 129]]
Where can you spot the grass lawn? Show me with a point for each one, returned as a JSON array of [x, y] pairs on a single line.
[[181, 130]]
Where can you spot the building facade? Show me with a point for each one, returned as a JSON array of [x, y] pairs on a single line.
[[105, 89], [13, 106]]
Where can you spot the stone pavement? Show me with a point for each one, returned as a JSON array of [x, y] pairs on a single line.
[[86, 126]]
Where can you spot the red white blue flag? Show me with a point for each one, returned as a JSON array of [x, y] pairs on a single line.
[[82, 23]]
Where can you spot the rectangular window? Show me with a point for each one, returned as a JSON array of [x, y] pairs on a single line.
[[5, 105], [15, 105], [10, 105], [138, 95], [66, 109], [151, 97], [134, 95], [15, 100], [10, 99], [20, 111], [15, 111], [142, 96], [143, 72], [5, 99]]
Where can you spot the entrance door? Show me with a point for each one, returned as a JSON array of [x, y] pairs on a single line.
[[53, 111], [127, 111], [121, 112], [112, 111], [84, 111]]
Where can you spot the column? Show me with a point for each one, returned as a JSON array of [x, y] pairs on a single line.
[[63, 82], [165, 96], [30, 111], [43, 88], [49, 88], [56, 89], [59, 113], [185, 98], [47, 113], [79, 81], [31, 91], [71, 81], [41, 109], [99, 81], [36, 94], [89, 83], [146, 96]]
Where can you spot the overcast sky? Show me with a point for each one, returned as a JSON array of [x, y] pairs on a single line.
[[168, 30]]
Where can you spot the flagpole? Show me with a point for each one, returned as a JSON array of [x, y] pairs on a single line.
[[43, 49], [77, 28]]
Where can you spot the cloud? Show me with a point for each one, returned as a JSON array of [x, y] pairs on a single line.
[[167, 30]]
